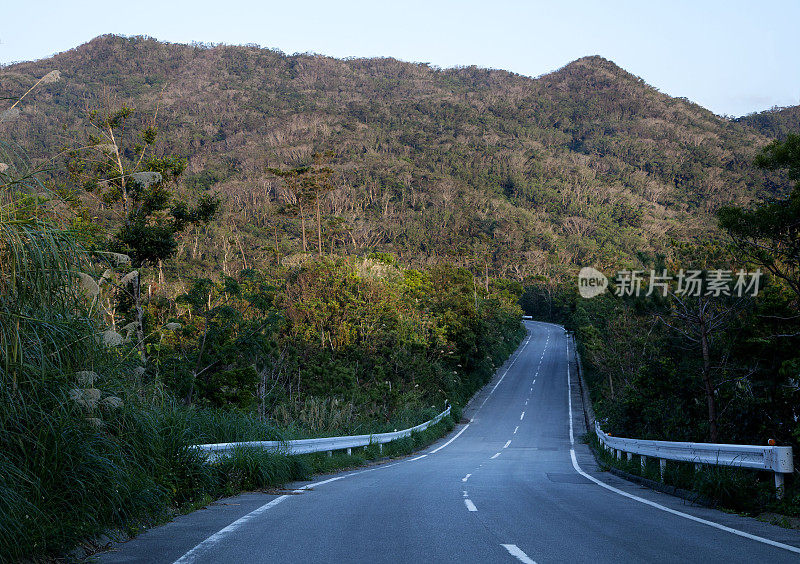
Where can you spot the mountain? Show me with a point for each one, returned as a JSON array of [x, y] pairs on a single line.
[[776, 122], [585, 165]]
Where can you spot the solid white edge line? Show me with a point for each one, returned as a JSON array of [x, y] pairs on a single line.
[[653, 504], [513, 362], [719, 526], [517, 553], [437, 449], [213, 539], [470, 505], [569, 401], [434, 451], [216, 537]]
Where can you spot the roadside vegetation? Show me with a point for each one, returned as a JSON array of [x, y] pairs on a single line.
[[296, 251], [95, 433], [708, 368], [110, 371]]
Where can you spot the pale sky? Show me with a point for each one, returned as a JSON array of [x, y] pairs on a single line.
[[733, 57]]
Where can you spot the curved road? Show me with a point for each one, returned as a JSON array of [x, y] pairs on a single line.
[[508, 486]]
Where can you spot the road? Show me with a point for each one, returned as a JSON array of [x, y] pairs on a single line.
[[508, 486]]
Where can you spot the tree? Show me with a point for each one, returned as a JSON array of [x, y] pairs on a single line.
[[320, 183], [226, 342], [704, 321], [139, 187], [293, 179], [307, 184], [769, 234], [703, 318]]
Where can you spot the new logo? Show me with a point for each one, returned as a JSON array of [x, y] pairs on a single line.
[[591, 282]]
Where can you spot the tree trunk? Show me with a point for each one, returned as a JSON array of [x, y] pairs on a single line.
[[140, 319], [303, 224], [319, 230], [709, 386], [277, 251]]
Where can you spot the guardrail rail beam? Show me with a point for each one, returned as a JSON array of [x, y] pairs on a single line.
[[775, 459]]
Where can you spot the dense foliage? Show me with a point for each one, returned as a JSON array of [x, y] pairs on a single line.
[[482, 168], [92, 438], [139, 315], [104, 386], [378, 338], [713, 368]]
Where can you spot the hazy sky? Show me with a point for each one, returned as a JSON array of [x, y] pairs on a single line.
[[733, 57]]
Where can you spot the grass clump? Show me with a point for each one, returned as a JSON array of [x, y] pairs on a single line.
[[92, 435]]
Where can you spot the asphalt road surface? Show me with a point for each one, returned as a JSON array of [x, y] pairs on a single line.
[[511, 485]]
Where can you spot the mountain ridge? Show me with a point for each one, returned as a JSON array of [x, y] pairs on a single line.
[[587, 164]]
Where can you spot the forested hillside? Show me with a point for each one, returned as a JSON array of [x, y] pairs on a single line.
[[777, 122], [120, 348], [214, 243], [483, 168]]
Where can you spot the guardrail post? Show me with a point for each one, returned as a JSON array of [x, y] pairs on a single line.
[[781, 463], [779, 489], [211, 452], [772, 458]]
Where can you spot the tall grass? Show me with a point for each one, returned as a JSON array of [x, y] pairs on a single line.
[[330, 416], [70, 470], [74, 465]]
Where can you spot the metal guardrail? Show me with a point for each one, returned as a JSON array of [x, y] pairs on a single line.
[[776, 459], [325, 444]]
